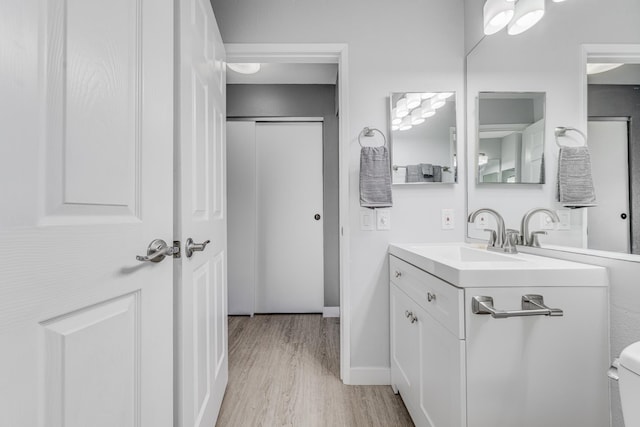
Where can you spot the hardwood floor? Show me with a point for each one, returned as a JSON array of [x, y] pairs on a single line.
[[284, 371]]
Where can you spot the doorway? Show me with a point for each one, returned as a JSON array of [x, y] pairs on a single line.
[[320, 54]]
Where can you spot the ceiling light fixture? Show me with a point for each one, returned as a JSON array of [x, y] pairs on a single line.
[[244, 67], [427, 95], [497, 14], [413, 100], [601, 68], [437, 102], [527, 14], [426, 111], [406, 124], [445, 95], [401, 108], [416, 117]]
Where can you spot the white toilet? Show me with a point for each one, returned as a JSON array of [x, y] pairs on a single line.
[[629, 374]]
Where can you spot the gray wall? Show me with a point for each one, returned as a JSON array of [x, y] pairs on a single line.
[[303, 101]]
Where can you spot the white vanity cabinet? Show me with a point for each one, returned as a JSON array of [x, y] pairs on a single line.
[[427, 346], [455, 368]]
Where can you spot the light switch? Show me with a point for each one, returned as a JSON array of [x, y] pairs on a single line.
[[383, 219], [447, 219], [366, 219]]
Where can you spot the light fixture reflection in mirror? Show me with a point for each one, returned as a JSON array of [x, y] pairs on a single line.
[[423, 137]]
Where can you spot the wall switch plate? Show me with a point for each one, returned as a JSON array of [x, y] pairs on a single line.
[[367, 219], [482, 221], [565, 219], [448, 222], [383, 219]]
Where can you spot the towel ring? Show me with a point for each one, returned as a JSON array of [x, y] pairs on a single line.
[[370, 132], [562, 131]]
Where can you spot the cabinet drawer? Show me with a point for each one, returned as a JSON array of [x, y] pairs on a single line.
[[443, 301]]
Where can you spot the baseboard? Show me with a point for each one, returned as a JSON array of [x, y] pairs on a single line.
[[331, 312], [370, 376]]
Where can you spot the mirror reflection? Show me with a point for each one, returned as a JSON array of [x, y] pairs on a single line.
[[510, 138], [423, 137]]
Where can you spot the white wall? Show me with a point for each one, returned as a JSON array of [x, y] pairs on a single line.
[[398, 46], [547, 58]]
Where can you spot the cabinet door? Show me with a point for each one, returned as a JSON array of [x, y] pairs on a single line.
[[539, 371], [442, 373], [405, 368]]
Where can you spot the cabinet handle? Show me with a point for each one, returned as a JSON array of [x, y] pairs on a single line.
[[407, 314], [414, 318], [431, 297], [398, 274], [532, 305]]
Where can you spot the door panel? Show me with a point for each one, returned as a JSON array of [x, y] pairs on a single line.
[[290, 272], [202, 368], [85, 328], [609, 146]]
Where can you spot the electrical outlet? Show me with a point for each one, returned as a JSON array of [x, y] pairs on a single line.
[[448, 222], [367, 219], [383, 219]]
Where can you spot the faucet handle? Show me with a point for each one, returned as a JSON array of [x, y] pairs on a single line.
[[513, 236], [492, 236], [534, 242]]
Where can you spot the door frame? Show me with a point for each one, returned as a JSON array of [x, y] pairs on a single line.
[[314, 53]]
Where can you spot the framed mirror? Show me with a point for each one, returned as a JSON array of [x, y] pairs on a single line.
[[510, 143], [423, 137]]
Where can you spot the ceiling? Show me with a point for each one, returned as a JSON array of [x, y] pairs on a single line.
[[326, 74]]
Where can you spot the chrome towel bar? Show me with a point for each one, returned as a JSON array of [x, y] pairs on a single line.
[[532, 305]]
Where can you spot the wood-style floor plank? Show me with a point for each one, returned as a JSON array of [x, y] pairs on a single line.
[[284, 370]]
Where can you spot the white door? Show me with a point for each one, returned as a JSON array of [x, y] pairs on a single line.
[[201, 308], [532, 151], [86, 184], [607, 229], [290, 275]]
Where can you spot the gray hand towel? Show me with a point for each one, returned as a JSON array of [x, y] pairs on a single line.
[[375, 177], [414, 173], [575, 183], [437, 174], [427, 169]]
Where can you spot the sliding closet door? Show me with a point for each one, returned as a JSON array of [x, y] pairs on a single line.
[[290, 277]]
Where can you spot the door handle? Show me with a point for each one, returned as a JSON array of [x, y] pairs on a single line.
[[157, 251], [190, 246]]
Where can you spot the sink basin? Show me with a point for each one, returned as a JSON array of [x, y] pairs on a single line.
[[466, 265], [460, 253]]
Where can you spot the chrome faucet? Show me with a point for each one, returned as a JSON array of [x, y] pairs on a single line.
[[531, 239], [497, 240]]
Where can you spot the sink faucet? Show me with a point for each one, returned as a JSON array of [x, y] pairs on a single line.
[[501, 235], [531, 239]]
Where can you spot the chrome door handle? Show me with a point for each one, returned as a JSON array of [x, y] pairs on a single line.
[[157, 251], [532, 305], [190, 246]]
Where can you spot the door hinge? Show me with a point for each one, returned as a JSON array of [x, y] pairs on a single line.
[[176, 249]]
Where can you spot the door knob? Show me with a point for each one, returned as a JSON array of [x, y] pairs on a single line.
[[157, 251], [623, 215], [190, 246], [317, 217]]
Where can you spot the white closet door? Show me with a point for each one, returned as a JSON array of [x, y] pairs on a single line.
[[86, 182], [201, 287], [290, 276], [608, 145]]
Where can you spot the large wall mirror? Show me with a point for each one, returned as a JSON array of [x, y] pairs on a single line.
[[569, 64], [510, 143], [423, 137]]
